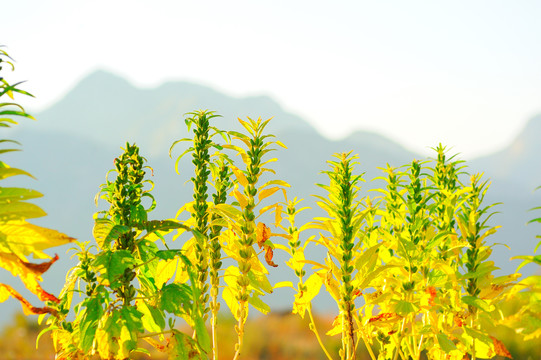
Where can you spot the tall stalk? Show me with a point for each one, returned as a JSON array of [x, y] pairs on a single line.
[[223, 184], [201, 158], [248, 236], [257, 144], [126, 210], [344, 209], [201, 144], [471, 215]]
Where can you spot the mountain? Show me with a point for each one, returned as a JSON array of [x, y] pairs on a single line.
[[72, 146], [518, 164], [108, 110]]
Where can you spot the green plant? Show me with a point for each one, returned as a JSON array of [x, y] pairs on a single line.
[[526, 320], [247, 281], [20, 239], [128, 296], [207, 248], [410, 272]]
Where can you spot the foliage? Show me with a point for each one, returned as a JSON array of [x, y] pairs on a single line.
[[128, 296], [20, 239], [526, 319], [409, 267], [207, 248]]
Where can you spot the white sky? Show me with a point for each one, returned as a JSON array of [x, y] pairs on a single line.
[[465, 73]]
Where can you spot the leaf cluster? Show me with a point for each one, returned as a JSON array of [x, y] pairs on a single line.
[[20, 239]]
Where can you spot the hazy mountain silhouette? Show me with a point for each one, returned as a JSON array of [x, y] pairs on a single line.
[[74, 142]]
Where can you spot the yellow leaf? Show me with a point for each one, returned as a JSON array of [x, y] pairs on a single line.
[[282, 284], [240, 176], [265, 193], [297, 261], [230, 276], [313, 285], [240, 198], [231, 302], [165, 271], [277, 215], [337, 326], [257, 266], [23, 239]]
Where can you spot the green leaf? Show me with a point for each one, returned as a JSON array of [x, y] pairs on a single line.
[[89, 321], [112, 264], [159, 225], [116, 335], [404, 308], [105, 231], [483, 269], [258, 304], [176, 299], [183, 347], [152, 318], [445, 343], [478, 303], [132, 319], [260, 282], [202, 335], [168, 254]]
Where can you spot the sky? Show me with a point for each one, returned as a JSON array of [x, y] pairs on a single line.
[[464, 73]]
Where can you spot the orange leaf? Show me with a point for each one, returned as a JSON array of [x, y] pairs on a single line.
[[263, 234], [40, 268], [30, 274], [6, 290], [432, 292], [458, 320], [269, 253], [500, 348], [385, 317]]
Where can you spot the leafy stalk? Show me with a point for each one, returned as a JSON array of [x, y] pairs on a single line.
[[344, 225], [250, 275], [201, 158], [222, 184]]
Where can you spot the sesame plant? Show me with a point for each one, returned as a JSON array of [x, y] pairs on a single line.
[[247, 281], [206, 254], [408, 269], [127, 296], [229, 230], [526, 320], [19, 239]]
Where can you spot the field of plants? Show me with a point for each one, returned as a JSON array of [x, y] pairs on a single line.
[[409, 265]]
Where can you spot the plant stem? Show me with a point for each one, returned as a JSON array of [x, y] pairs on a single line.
[[222, 186], [247, 239], [314, 329]]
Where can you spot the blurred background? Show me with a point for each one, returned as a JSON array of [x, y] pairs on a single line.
[[388, 80]]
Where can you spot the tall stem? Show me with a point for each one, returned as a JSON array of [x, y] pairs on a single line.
[[222, 185], [248, 236]]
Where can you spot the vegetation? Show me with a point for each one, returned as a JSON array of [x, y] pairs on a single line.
[[409, 266], [20, 239]]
